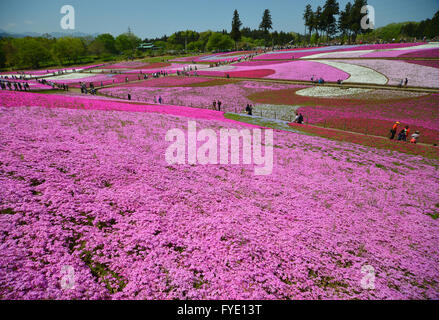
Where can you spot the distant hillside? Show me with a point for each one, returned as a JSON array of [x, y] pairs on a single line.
[[5, 34], [387, 33]]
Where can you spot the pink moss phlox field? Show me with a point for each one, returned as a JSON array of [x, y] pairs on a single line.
[[426, 63], [256, 63], [426, 53], [34, 85], [295, 70], [88, 77], [304, 70], [421, 112], [125, 65], [16, 99], [168, 82], [303, 52], [91, 190], [418, 75], [233, 96], [44, 71]]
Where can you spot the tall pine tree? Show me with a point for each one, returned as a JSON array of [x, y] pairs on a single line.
[[330, 9], [266, 23], [307, 16], [236, 25]]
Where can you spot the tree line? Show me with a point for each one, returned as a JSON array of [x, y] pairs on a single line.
[[331, 23], [322, 24], [35, 52], [238, 38]]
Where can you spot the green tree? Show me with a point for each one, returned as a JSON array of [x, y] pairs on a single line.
[[266, 23], [356, 17], [319, 24], [127, 43], [219, 42], [31, 52], [2, 54], [307, 16], [196, 46], [236, 25], [69, 49], [330, 9], [344, 21], [108, 41]]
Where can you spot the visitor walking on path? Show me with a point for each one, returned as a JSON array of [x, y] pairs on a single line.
[[393, 130], [219, 105], [129, 96], [405, 82]]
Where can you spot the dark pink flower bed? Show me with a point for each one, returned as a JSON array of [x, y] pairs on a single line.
[[426, 63], [256, 63], [425, 53], [168, 82], [18, 99], [260, 73]]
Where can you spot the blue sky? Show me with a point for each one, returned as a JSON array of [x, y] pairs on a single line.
[[151, 18]]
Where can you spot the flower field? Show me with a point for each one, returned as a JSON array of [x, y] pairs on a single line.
[[354, 51], [85, 182], [232, 95], [91, 189], [418, 75], [296, 70]]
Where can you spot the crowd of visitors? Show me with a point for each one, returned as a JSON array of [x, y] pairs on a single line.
[[404, 134]]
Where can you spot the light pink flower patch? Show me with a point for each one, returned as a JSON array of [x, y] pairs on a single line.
[[295, 70], [304, 70], [394, 70], [20, 99]]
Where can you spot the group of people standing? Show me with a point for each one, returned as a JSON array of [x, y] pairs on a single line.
[[159, 100], [217, 104], [404, 133], [405, 82], [249, 109], [299, 118], [18, 86], [317, 80], [85, 90], [225, 62]]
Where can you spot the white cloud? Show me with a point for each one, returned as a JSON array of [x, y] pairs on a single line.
[[9, 26]]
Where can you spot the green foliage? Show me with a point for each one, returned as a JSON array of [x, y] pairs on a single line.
[[330, 9], [68, 49], [127, 43], [266, 23], [30, 52], [219, 42], [103, 44], [427, 28], [236, 25]]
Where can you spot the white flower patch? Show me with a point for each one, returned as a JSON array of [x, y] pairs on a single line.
[[422, 46], [222, 68], [358, 74], [330, 91], [342, 54], [72, 76]]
